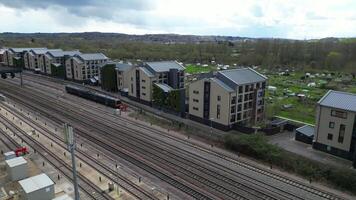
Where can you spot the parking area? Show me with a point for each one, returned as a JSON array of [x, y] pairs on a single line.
[[286, 141]]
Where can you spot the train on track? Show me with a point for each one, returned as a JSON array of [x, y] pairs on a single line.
[[93, 96]]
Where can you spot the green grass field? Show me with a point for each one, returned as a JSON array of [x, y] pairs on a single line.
[[194, 69], [301, 110]]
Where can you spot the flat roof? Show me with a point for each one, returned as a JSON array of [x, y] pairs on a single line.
[[339, 100], [35, 183], [16, 162], [63, 197], [306, 130], [9, 153]]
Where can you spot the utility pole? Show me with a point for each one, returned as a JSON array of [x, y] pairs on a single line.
[[70, 140]]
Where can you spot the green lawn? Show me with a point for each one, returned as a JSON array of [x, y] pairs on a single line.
[[194, 69]]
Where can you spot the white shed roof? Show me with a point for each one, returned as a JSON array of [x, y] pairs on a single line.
[[35, 183], [63, 197], [16, 161]]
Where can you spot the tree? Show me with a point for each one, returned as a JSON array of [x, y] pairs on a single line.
[[334, 60]]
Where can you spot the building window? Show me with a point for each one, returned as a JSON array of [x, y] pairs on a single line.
[[233, 118], [131, 88], [196, 100], [339, 114], [131, 78], [195, 92], [233, 100], [233, 109], [195, 108], [143, 94], [217, 111], [219, 97], [330, 136], [240, 98], [331, 124], [247, 88], [341, 133], [143, 87], [143, 81], [238, 116], [240, 89], [239, 107]]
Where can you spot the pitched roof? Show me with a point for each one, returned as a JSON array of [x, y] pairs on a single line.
[[92, 56], [222, 84], [43, 51], [339, 100], [164, 87], [147, 72], [243, 76], [64, 53], [19, 50], [123, 66], [164, 66]]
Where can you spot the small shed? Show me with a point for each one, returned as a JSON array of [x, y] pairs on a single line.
[[281, 123], [305, 134], [9, 155], [39, 187], [17, 168]]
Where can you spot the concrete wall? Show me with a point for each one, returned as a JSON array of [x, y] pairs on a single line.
[[323, 118], [46, 193], [215, 91], [145, 84], [193, 97]]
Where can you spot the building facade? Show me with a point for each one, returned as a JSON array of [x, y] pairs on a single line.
[[56, 59], [12, 54], [85, 67], [230, 98], [122, 75], [335, 130], [142, 78], [35, 59]]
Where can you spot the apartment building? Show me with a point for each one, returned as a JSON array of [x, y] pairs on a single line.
[[35, 59], [16, 54], [142, 77], [85, 67], [122, 75], [57, 59], [335, 130], [229, 98]]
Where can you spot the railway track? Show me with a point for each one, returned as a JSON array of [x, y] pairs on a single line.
[[129, 186], [310, 190], [84, 184], [248, 166]]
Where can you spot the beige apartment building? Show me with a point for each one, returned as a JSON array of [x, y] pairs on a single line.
[[35, 59], [229, 98], [57, 59], [335, 130], [85, 67], [17, 54], [169, 74]]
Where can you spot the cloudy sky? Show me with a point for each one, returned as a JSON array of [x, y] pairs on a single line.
[[299, 19]]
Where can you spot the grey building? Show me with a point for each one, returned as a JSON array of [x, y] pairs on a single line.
[[335, 130], [17, 168], [57, 59], [230, 98], [39, 187]]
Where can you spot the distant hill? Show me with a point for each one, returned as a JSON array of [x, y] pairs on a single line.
[[154, 38]]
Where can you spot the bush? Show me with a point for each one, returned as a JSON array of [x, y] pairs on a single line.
[[256, 146]]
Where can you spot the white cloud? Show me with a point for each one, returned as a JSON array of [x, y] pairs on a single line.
[[254, 18]]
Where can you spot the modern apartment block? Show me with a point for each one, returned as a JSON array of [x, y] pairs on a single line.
[[230, 98], [122, 75], [35, 59], [56, 59], [85, 67], [170, 74], [335, 130], [16, 54]]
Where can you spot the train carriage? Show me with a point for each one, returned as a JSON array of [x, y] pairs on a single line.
[[93, 96]]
